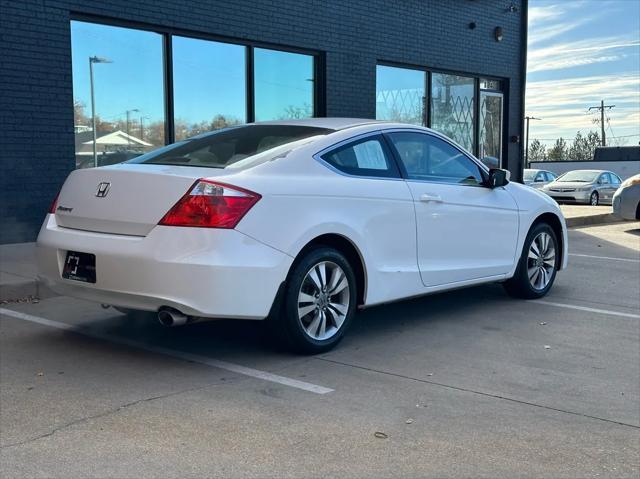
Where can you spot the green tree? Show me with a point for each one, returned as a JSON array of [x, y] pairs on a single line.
[[579, 150], [537, 151], [593, 141], [559, 150]]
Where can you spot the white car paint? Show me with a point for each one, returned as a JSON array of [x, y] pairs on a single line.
[[408, 247]]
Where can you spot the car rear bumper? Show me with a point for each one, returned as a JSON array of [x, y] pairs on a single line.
[[205, 272]]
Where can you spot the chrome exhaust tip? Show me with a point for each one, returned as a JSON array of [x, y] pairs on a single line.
[[171, 318]]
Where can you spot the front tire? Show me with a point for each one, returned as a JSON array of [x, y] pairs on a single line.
[[538, 264], [594, 199], [318, 303]]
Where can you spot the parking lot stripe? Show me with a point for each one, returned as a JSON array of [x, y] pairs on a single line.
[[609, 258], [235, 368], [584, 308]]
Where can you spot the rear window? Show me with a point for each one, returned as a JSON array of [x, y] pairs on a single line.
[[242, 146]]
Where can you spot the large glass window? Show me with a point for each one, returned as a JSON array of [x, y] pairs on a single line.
[[452, 107], [209, 85], [121, 69], [400, 95], [284, 85], [428, 158]]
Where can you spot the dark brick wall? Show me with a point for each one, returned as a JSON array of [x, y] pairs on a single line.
[[36, 122]]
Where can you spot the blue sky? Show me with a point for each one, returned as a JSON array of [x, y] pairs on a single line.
[[582, 51]]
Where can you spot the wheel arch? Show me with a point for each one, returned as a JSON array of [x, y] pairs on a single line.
[[351, 252], [556, 225]]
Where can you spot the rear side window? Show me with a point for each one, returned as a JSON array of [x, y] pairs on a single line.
[[550, 176], [366, 157], [615, 179], [243, 146]]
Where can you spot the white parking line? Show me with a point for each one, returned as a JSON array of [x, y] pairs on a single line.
[[584, 308], [605, 257], [236, 368]]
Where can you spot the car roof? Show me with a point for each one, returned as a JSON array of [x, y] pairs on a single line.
[[330, 123]]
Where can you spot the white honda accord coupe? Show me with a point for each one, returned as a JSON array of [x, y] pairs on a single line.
[[301, 222]]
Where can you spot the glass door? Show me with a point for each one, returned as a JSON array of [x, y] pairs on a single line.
[[491, 128]]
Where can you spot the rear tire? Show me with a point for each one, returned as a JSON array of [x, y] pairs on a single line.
[[318, 302], [594, 199], [538, 264]]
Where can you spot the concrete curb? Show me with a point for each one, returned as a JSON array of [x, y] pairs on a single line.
[[591, 220]]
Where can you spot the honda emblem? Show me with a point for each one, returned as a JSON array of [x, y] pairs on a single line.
[[103, 189]]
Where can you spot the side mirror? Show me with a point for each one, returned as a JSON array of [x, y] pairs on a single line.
[[498, 177]]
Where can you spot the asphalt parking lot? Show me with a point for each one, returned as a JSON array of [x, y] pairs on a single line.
[[470, 383]]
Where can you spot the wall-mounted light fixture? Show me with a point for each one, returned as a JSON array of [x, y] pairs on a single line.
[[472, 26], [498, 33]]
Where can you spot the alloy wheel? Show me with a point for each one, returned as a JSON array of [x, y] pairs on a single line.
[[594, 199], [541, 261], [323, 300]]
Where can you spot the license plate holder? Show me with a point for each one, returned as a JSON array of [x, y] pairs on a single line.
[[80, 267]]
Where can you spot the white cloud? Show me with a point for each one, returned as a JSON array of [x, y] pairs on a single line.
[[582, 52], [563, 104]]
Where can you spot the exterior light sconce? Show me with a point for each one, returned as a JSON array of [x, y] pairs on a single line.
[[472, 26], [498, 33]]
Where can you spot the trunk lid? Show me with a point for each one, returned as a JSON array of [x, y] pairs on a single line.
[[127, 199]]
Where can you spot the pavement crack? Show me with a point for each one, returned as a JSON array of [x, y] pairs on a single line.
[[109, 412], [480, 393]]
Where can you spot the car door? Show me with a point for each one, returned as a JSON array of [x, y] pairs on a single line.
[[465, 231], [604, 187]]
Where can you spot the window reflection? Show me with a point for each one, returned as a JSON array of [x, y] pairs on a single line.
[[209, 85], [128, 91], [452, 104], [400, 95], [284, 85]]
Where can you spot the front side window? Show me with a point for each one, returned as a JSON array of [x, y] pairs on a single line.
[[540, 177], [121, 70], [365, 157], [235, 147], [283, 85], [428, 158], [604, 179], [209, 86]]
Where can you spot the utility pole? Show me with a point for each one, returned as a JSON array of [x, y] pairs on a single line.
[[526, 151], [602, 108]]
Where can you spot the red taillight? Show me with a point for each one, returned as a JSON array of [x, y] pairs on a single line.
[[54, 205], [208, 204]]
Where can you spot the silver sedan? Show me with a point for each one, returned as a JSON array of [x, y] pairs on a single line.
[[626, 201], [591, 187]]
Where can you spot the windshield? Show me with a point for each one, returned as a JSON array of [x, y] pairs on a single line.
[[224, 148], [529, 175], [580, 176]]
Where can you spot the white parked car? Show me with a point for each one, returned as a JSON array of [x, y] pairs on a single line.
[[301, 222], [537, 178]]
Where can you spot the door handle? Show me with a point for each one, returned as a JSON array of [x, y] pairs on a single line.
[[427, 198]]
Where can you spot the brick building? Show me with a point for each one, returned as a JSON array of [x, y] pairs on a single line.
[[163, 70]]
